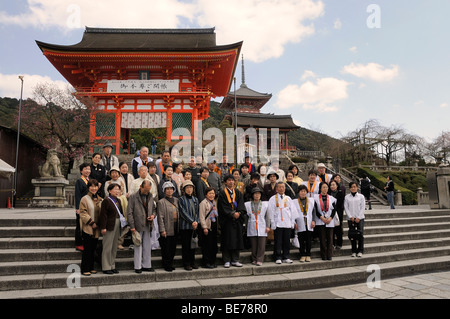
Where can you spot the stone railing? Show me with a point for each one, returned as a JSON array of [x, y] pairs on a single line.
[[414, 168], [423, 198]]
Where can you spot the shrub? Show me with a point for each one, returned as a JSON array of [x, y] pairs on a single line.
[[401, 180]]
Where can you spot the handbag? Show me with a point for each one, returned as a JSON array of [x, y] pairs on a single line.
[[194, 240], [295, 241], [354, 233], [337, 221]]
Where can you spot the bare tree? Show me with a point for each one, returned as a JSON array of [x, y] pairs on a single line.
[[58, 119], [439, 148]]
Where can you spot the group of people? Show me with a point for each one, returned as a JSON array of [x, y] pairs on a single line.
[[161, 202]]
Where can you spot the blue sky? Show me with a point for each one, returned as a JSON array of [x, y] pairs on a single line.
[[321, 60]]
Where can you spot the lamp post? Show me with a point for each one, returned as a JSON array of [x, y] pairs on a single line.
[[236, 124], [17, 145]]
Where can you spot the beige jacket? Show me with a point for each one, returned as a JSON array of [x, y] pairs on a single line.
[[204, 209], [165, 214], [89, 214]]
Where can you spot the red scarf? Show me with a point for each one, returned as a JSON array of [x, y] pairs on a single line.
[[321, 204]]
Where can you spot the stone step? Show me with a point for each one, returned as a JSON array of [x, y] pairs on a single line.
[[47, 254], [68, 216], [381, 233], [56, 260], [210, 282], [35, 254], [404, 213], [65, 228]]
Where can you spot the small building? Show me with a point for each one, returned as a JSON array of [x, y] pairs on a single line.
[[31, 155]]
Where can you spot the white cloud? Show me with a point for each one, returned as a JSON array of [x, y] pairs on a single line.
[[354, 49], [10, 84], [444, 105], [308, 74], [372, 71], [265, 26], [319, 95], [68, 14], [337, 24]]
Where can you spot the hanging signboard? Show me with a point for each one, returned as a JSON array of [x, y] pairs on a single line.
[[144, 120], [140, 86]]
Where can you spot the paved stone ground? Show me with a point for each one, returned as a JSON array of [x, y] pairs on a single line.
[[424, 286]]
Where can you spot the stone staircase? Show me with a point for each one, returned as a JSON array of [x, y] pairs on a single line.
[[35, 255]]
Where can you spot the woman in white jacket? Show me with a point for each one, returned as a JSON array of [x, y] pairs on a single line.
[[305, 222], [257, 225], [354, 205], [325, 212]]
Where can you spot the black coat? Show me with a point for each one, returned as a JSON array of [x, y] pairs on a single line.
[[232, 229]]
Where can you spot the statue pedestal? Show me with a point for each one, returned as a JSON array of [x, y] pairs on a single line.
[[49, 192]]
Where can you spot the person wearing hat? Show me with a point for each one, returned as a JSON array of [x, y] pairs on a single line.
[[232, 216], [258, 225], [270, 188], [141, 213], [275, 166], [189, 217], [322, 176], [305, 222], [168, 219], [108, 160], [114, 178]]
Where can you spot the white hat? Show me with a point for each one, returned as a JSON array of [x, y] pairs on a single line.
[[136, 237], [167, 185], [321, 165]]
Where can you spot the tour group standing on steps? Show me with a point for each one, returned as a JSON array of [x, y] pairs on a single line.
[[162, 202]]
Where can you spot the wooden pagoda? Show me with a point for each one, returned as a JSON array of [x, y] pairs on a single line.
[[248, 109], [145, 78]]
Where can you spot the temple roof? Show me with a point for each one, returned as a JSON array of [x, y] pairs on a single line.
[[121, 51], [265, 120], [113, 39]]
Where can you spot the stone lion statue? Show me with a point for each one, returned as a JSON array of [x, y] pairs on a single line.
[[52, 166]]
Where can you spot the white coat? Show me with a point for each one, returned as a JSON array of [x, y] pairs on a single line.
[[327, 178], [327, 213], [284, 215], [312, 190], [355, 206], [257, 223], [301, 227]]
